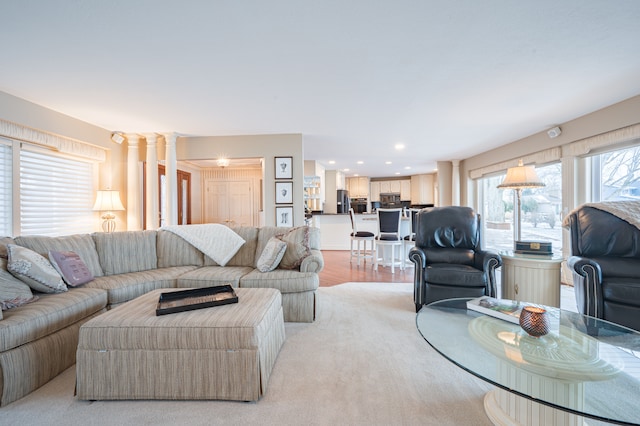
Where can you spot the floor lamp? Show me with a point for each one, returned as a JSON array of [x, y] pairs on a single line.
[[108, 201], [519, 178]]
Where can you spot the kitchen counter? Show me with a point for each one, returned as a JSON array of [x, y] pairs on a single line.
[[335, 228]]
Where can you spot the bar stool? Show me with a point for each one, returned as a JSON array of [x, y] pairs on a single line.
[[389, 237], [410, 240], [360, 237]]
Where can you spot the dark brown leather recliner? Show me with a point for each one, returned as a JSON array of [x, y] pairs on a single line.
[[448, 258], [605, 262]]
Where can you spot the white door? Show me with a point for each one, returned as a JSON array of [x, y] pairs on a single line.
[[240, 203], [228, 202]]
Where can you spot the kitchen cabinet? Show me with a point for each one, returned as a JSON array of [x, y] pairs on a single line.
[[398, 186], [385, 187], [358, 187], [374, 188], [405, 190], [422, 189]]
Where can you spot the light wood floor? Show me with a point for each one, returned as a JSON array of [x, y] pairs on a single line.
[[338, 269]]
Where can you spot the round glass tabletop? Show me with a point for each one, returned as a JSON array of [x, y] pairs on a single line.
[[583, 366]]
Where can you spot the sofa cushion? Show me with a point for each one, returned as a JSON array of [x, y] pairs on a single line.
[[210, 276], [455, 275], [70, 266], [52, 312], [287, 281], [13, 292], [124, 287], [35, 270], [271, 255], [173, 250], [124, 252], [82, 244], [246, 255]]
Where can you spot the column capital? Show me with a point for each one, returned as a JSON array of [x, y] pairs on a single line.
[[132, 138], [151, 138], [170, 138]]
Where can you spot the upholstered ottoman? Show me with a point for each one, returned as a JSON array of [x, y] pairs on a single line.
[[223, 352]]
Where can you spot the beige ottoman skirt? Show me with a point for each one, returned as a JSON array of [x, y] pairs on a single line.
[[223, 352]]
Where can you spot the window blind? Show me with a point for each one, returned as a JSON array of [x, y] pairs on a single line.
[[6, 171], [56, 194]]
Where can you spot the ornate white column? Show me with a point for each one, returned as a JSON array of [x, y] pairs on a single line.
[[171, 168], [134, 197], [151, 198], [455, 183]]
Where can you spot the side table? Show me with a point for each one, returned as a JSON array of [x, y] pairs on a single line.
[[531, 278]]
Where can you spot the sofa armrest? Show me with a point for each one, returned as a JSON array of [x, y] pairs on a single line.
[[313, 263]]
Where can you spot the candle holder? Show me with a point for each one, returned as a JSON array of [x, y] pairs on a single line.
[[534, 321]]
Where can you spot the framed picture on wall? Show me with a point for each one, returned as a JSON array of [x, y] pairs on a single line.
[[284, 192], [284, 167], [284, 216]]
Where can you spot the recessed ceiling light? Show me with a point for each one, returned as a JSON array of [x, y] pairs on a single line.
[[355, 174], [407, 168], [345, 170], [332, 162], [397, 173], [399, 146], [360, 162], [388, 162]]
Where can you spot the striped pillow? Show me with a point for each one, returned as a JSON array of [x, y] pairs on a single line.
[[33, 269], [271, 255], [13, 292]]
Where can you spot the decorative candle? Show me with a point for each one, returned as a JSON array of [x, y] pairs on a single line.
[[534, 321]]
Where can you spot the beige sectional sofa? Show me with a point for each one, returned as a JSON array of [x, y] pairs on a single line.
[[38, 340]]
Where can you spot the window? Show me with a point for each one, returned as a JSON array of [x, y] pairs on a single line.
[[616, 175], [6, 171], [541, 210], [56, 194]]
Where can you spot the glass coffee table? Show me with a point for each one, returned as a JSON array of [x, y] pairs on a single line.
[[584, 367]]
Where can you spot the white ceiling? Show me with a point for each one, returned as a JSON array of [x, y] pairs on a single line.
[[448, 79]]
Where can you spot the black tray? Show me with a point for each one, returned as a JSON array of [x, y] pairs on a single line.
[[197, 298]]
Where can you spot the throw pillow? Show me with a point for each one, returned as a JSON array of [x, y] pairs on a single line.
[[69, 264], [271, 255], [35, 270], [297, 240], [13, 292]]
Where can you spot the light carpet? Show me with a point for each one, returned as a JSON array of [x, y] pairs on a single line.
[[361, 362]]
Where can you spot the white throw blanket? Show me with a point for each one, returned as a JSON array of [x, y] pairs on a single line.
[[217, 241], [629, 211]]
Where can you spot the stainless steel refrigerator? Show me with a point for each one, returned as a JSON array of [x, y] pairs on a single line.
[[343, 201]]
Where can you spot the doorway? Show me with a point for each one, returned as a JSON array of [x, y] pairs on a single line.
[[230, 202], [184, 197]]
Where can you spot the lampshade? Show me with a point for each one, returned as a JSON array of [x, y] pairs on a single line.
[[108, 201], [521, 177]]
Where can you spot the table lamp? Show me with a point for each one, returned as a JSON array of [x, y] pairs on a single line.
[[108, 201], [519, 178]]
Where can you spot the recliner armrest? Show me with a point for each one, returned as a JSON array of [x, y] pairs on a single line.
[[418, 257], [585, 267], [487, 260]]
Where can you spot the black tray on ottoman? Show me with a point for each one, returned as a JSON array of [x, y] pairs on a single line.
[[197, 298]]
